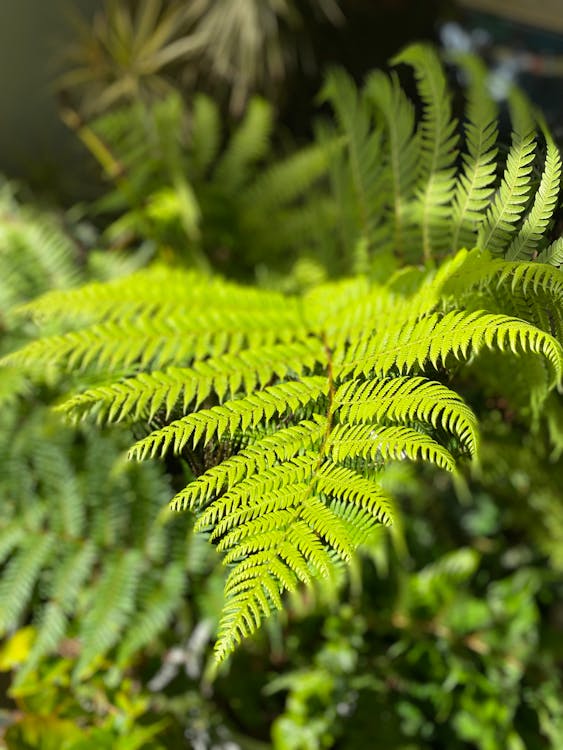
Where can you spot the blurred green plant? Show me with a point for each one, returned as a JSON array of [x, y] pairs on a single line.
[[52, 712], [140, 50], [94, 561], [203, 197]]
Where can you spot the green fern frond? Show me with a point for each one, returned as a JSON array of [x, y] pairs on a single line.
[[294, 409], [539, 217], [113, 601], [435, 337], [205, 133], [283, 445], [475, 183], [407, 400], [152, 339], [363, 149], [530, 291], [387, 443], [232, 415], [289, 179], [156, 608], [553, 254], [404, 151], [249, 144], [20, 577], [225, 374], [438, 142], [510, 202]]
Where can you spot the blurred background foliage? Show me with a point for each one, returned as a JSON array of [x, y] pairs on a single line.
[[198, 146]]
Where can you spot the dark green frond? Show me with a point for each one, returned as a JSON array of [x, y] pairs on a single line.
[[404, 153], [438, 142]]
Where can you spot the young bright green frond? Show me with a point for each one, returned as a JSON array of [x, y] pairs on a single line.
[[291, 540], [406, 400], [242, 413], [224, 375], [282, 445], [295, 404], [433, 338], [530, 291], [158, 339], [387, 443], [155, 289]]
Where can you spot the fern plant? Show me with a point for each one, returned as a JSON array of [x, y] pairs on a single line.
[[290, 407], [423, 191], [84, 546]]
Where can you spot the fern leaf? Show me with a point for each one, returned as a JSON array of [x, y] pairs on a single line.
[[363, 143], [248, 144], [282, 446], [289, 179], [232, 415], [156, 609], [406, 400], [20, 577], [205, 133], [398, 112], [553, 254], [380, 444], [531, 291], [438, 140], [113, 602], [511, 199], [537, 220], [311, 398], [225, 374], [435, 337], [475, 184]]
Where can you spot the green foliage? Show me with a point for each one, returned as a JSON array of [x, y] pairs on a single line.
[[433, 200], [310, 420], [50, 715], [91, 560], [185, 186], [294, 404]]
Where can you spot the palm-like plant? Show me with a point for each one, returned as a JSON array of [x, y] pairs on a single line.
[[132, 50], [127, 51]]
